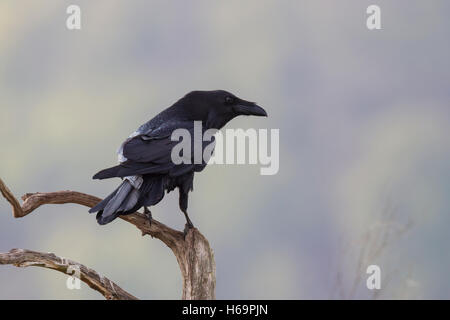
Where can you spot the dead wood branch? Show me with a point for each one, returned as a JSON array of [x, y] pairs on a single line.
[[27, 258], [193, 253]]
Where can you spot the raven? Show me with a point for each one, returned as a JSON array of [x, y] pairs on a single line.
[[145, 163]]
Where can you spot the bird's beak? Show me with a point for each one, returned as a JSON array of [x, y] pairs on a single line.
[[249, 109]]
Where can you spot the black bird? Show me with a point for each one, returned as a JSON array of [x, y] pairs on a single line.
[[146, 166]]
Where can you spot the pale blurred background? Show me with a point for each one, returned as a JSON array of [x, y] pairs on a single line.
[[364, 121]]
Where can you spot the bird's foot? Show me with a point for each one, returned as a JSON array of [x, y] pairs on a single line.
[[188, 226], [148, 213]]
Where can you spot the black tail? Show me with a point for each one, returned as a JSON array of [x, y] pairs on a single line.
[[127, 199], [120, 201]]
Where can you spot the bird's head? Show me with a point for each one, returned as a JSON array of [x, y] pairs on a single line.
[[216, 108]]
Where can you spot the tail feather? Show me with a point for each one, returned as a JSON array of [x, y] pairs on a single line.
[[121, 200], [120, 196], [127, 199], [102, 204], [130, 201]]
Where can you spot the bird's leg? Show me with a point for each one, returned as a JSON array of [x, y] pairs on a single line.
[[189, 223], [183, 201], [148, 213]]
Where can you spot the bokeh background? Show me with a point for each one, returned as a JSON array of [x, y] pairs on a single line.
[[364, 121]]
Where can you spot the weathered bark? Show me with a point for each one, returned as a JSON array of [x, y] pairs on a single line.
[[27, 258], [193, 253]]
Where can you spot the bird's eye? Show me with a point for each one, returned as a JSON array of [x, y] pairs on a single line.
[[229, 100]]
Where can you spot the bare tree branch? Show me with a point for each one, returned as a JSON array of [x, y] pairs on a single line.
[[27, 258], [193, 253]]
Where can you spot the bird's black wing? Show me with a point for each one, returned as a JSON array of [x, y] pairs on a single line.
[[150, 153], [155, 146]]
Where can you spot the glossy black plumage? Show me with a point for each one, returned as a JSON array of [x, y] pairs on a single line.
[[145, 157]]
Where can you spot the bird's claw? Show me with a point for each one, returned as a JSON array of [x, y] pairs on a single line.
[[188, 226], [148, 213]]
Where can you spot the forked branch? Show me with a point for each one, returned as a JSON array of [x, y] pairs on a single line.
[[193, 253]]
